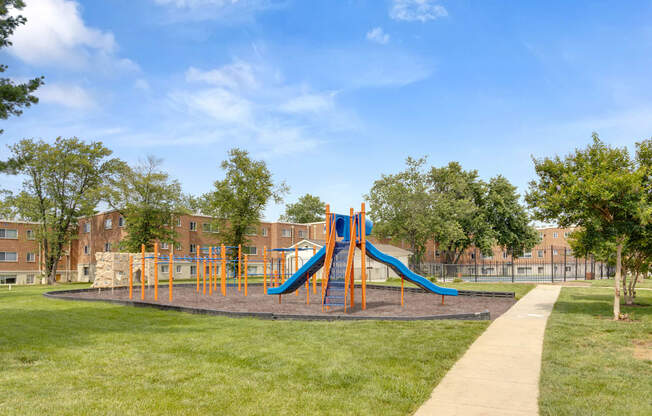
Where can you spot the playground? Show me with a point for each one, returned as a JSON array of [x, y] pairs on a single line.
[[289, 287]]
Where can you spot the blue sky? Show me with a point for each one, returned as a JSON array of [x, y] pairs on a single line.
[[334, 93]]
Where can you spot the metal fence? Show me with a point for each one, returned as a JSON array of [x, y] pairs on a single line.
[[557, 264]]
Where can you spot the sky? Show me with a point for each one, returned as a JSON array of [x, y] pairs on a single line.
[[334, 93]]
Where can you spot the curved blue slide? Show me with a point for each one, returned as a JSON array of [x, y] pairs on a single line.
[[310, 267], [402, 270]]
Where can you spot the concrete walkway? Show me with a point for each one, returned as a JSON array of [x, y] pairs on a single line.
[[499, 374]]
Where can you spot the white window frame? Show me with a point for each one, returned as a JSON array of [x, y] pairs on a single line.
[[30, 234], [541, 254], [178, 269], [87, 227], [286, 232], [33, 255], [193, 226], [30, 279], [4, 277], [165, 268], [264, 232], [527, 255], [108, 224], [4, 234], [164, 246], [193, 248], [4, 257], [301, 234], [86, 250], [121, 221], [107, 247], [555, 235]]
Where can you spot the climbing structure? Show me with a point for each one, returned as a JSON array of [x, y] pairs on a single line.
[[345, 233]]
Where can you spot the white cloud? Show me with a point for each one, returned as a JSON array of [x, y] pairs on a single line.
[[235, 75], [377, 35], [71, 96], [230, 11], [142, 84], [55, 34], [219, 104], [309, 103], [421, 10]]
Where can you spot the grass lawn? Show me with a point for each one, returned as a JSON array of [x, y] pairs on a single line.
[[592, 365], [645, 283], [519, 289], [63, 357]]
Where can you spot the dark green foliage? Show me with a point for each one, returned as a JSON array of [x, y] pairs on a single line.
[[307, 209]]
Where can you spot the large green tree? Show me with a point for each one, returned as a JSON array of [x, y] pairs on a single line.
[[508, 217], [238, 201], [150, 203], [308, 208], [13, 96], [597, 188], [62, 183], [401, 208]]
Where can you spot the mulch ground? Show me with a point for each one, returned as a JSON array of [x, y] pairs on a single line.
[[381, 303]]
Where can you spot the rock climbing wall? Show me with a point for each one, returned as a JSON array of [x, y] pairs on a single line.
[[112, 269]]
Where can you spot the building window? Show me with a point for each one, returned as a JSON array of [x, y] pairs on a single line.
[[541, 236], [193, 248], [108, 224], [505, 255], [568, 268], [566, 234], [569, 252], [8, 256], [263, 232], [164, 246], [107, 247], [252, 251], [87, 270], [554, 252], [86, 250], [207, 227], [7, 233], [178, 222], [178, 269], [30, 235], [523, 270], [252, 270], [7, 279], [87, 227], [193, 226], [527, 255], [487, 257], [121, 221], [251, 231], [555, 235], [540, 269], [472, 254], [177, 246], [193, 270], [165, 268], [31, 257], [540, 254], [286, 232], [30, 279], [302, 234]]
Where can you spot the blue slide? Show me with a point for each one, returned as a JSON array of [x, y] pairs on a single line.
[[406, 273], [311, 267], [316, 262]]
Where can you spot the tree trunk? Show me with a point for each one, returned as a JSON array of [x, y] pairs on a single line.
[[619, 265], [631, 290], [52, 276]]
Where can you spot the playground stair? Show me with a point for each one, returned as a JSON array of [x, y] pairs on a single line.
[[335, 288]]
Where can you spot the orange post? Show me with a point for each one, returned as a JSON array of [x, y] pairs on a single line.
[[142, 272], [296, 264], [210, 270], [155, 271], [264, 269], [223, 270], [131, 276], [171, 274], [307, 289], [239, 270], [314, 275], [246, 265], [197, 266], [353, 243], [363, 256], [402, 292], [203, 270]]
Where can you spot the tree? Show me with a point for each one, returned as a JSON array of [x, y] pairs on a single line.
[[508, 218], [598, 189], [308, 208], [401, 207], [62, 184], [459, 214], [238, 200], [13, 97], [150, 203]]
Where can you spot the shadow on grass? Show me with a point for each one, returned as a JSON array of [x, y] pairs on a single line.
[[602, 305]]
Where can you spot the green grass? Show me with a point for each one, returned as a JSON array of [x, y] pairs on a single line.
[[519, 289], [645, 283], [62, 357], [589, 363]]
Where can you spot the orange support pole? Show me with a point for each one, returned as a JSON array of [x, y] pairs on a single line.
[[171, 275], [155, 271], [215, 275], [314, 275], [197, 266], [246, 272], [402, 303], [223, 270], [264, 269], [239, 260], [283, 269], [352, 221], [131, 276], [210, 270], [142, 272], [296, 264], [307, 289], [203, 270], [363, 256]]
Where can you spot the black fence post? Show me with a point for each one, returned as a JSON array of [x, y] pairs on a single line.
[[585, 257], [512, 268], [552, 264], [475, 264], [575, 267], [565, 251]]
